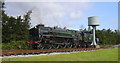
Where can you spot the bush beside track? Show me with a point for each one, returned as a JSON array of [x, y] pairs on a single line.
[[16, 45]]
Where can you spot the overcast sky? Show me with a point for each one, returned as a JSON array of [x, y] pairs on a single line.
[[67, 14]]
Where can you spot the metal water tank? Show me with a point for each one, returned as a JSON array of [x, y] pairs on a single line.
[[93, 21]]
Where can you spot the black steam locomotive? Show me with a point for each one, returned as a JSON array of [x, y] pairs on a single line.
[[42, 37]]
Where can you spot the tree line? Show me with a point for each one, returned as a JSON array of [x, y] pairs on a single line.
[[108, 37]]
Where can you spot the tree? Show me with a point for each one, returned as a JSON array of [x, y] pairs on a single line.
[[108, 37], [1, 10], [26, 25], [4, 21], [81, 28], [15, 29]]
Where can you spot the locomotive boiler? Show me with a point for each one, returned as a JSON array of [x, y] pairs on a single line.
[[42, 37]]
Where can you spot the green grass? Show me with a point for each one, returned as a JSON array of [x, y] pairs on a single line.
[[99, 55]]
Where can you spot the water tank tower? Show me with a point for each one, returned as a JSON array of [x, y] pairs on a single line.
[[93, 21]]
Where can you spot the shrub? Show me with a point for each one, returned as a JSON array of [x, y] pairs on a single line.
[[16, 45]]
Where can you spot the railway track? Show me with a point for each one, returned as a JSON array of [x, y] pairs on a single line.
[[26, 52]]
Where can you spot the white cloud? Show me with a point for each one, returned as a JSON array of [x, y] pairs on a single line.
[[76, 15], [51, 13]]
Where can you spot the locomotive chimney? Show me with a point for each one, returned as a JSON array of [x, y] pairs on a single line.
[[40, 25]]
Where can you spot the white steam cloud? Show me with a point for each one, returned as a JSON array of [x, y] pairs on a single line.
[[50, 13]]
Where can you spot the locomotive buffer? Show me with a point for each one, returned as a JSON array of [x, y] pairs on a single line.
[[93, 21]]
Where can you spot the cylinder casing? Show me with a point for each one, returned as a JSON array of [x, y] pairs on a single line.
[[93, 21]]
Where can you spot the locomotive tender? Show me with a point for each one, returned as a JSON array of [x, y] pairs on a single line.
[[42, 37]]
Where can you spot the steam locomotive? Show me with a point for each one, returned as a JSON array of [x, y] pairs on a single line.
[[42, 37]]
